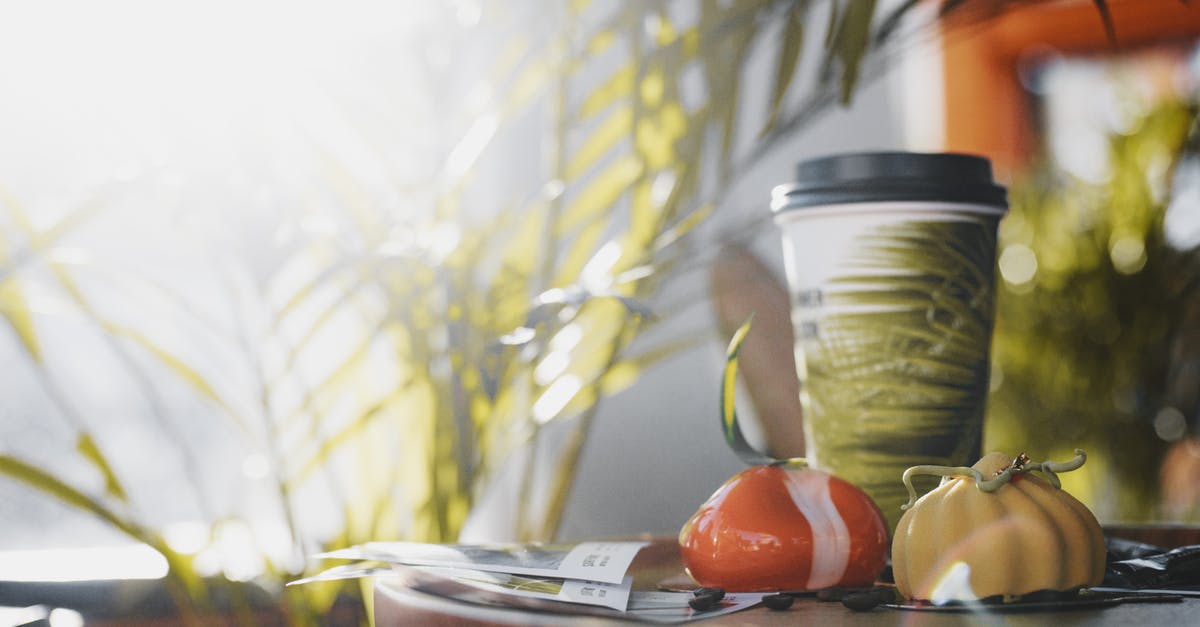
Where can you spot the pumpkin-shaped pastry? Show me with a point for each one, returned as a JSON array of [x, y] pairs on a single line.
[[774, 527], [996, 529]]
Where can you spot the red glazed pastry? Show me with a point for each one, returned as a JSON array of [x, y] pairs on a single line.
[[778, 528]]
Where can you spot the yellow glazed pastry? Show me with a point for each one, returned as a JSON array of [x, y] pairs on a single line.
[[996, 529]]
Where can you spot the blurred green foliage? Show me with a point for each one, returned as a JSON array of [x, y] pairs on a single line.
[[1091, 315]]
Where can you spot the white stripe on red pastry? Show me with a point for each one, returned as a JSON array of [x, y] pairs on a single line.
[[831, 538]]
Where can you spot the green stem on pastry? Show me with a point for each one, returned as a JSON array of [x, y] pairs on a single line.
[[1050, 468], [1018, 466]]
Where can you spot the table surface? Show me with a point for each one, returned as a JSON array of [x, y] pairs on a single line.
[[396, 604]]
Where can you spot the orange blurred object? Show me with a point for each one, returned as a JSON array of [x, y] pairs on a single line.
[[985, 44], [1180, 479]]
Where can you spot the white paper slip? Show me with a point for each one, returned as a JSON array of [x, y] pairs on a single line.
[[610, 595], [345, 571], [499, 585], [605, 562]]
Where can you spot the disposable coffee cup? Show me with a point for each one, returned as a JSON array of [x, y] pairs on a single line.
[[890, 261]]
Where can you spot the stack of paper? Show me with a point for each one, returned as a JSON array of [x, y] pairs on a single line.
[[577, 579]]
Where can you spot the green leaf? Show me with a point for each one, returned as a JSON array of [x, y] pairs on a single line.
[[889, 24], [853, 39], [346, 434], [615, 128], [87, 447], [331, 272], [340, 374], [173, 363], [64, 493], [50, 485], [12, 298], [830, 43], [624, 373], [177, 366], [729, 420], [682, 227], [789, 55], [508, 293], [597, 198], [616, 87], [16, 312], [346, 295]]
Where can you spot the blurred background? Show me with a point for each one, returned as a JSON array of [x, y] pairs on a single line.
[[280, 277]]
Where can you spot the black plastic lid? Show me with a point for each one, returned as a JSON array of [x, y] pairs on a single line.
[[890, 176]]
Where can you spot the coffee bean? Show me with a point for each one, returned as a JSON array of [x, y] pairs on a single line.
[[831, 594], [864, 600], [716, 593], [778, 601], [704, 599], [859, 601]]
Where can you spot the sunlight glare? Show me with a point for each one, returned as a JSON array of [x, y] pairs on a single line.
[[1018, 264], [551, 366], [133, 561], [228, 98], [239, 554], [1181, 225], [597, 273], [63, 617], [186, 537], [1128, 254], [471, 146], [555, 398], [567, 338], [23, 615], [954, 585]]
